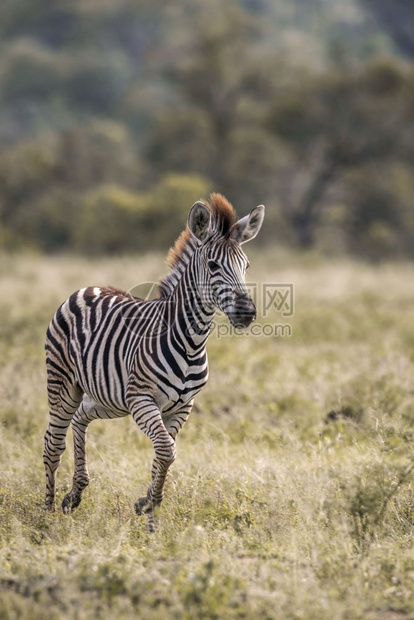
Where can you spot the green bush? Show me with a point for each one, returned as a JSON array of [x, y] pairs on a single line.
[[109, 220], [113, 219], [48, 223]]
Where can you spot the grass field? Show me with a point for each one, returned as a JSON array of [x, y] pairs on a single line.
[[292, 496]]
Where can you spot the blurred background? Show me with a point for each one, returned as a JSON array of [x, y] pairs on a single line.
[[116, 115]]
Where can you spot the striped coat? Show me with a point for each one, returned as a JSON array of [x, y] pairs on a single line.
[[110, 354]]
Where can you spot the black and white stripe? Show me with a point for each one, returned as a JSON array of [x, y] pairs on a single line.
[[110, 354]]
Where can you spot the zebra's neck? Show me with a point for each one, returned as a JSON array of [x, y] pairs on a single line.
[[194, 315]]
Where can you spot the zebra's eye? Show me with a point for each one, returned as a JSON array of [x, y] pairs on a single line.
[[247, 266], [213, 266]]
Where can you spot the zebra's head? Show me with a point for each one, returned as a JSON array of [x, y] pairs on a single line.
[[224, 262]]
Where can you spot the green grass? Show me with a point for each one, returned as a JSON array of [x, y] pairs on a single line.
[[292, 496]]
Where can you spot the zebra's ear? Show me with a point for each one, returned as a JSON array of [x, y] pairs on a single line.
[[248, 227], [199, 221]]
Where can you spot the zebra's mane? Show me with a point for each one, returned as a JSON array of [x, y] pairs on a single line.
[[223, 216]]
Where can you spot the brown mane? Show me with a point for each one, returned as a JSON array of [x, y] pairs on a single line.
[[223, 217]]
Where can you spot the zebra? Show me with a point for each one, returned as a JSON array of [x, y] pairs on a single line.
[[110, 354]]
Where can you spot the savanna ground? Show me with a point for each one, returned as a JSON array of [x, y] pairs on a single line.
[[292, 495]]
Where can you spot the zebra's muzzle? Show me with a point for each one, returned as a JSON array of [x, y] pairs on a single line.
[[243, 311]]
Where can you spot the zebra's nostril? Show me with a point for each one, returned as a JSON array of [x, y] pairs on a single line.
[[244, 305], [244, 312], [249, 312]]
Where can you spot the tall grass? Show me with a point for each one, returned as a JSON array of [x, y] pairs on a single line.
[[292, 495]]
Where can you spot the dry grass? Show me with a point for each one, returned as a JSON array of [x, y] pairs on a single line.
[[292, 494]]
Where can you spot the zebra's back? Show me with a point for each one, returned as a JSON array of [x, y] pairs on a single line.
[[92, 339]]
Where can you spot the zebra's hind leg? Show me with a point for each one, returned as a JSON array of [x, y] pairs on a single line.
[[165, 453], [64, 399], [88, 411]]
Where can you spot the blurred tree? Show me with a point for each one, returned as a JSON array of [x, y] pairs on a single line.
[[397, 18], [379, 219], [123, 112], [341, 121], [25, 171], [167, 205], [98, 152], [55, 24], [48, 221], [110, 222], [114, 219], [222, 82], [30, 70]]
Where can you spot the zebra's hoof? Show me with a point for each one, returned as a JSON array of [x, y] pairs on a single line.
[[70, 503], [143, 506]]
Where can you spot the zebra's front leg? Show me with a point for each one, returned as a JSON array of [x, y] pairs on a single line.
[[148, 417], [173, 424]]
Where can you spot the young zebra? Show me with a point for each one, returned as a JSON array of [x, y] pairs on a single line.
[[110, 354]]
